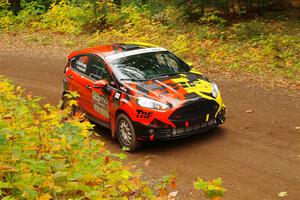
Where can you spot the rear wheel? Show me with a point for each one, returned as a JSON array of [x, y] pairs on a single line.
[[126, 133]]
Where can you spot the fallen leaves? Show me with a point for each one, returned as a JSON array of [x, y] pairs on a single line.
[[172, 195], [249, 111], [173, 183], [125, 148], [283, 194]]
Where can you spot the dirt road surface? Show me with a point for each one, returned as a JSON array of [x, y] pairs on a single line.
[[255, 153]]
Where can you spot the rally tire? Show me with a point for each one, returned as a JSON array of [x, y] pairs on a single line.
[[126, 133]]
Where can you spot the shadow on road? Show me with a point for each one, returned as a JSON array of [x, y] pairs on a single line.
[[165, 145]]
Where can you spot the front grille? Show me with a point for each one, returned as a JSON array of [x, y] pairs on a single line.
[[196, 110], [164, 131], [194, 127], [183, 131]]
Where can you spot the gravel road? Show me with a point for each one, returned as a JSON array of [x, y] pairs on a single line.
[[256, 153]]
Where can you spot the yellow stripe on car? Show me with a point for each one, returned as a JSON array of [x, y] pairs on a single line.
[[199, 86]]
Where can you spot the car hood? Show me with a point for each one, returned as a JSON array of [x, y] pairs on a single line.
[[175, 89]]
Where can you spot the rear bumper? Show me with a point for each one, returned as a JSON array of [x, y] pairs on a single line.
[[165, 132]]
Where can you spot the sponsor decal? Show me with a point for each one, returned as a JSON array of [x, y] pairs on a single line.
[[81, 66], [143, 114], [100, 99], [100, 104], [117, 95], [101, 111], [123, 89]]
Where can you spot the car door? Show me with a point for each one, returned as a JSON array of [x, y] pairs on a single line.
[[101, 98], [79, 81]]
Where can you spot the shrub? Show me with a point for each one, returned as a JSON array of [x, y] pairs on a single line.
[[30, 13], [211, 33], [212, 189], [131, 25], [45, 154], [67, 18], [169, 16], [212, 18], [6, 16], [181, 44], [249, 30]]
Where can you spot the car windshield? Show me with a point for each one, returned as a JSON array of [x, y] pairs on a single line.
[[145, 66]]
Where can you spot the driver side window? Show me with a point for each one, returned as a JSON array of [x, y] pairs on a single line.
[[97, 68]]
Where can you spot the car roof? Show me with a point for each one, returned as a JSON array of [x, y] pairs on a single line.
[[113, 49]]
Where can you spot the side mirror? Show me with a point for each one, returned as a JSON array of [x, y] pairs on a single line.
[[100, 84], [190, 64]]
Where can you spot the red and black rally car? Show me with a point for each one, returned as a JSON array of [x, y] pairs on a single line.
[[142, 92]]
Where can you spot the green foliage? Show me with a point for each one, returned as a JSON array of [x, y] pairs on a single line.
[[45, 154], [249, 30], [6, 15], [212, 18], [30, 13], [211, 33], [284, 53], [67, 18], [130, 25], [4, 5], [181, 44], [169, 16], [212, 189]]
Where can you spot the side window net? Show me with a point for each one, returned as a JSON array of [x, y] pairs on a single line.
[[91, 66], [80, 64], [97, 70]]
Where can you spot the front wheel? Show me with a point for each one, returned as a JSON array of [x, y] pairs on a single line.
[[126, 133]]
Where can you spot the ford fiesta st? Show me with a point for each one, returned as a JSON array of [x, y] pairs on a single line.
[[142, 93]]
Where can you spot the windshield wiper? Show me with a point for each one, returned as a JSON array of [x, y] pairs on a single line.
[[169, 74], [132, 79]]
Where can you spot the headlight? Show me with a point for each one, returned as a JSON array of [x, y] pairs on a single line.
[[150, 103], [215, 89]]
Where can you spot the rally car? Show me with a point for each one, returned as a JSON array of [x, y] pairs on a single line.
[[142, 93]]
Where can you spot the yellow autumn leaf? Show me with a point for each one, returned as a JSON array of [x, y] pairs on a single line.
[[73, 102], [46, 196]]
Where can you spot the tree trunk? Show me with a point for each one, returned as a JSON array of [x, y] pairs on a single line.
[[15, 6]]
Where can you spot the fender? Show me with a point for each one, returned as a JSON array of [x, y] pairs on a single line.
[[126, 109]]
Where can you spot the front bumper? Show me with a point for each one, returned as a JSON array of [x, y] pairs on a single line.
[[161, 131]]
